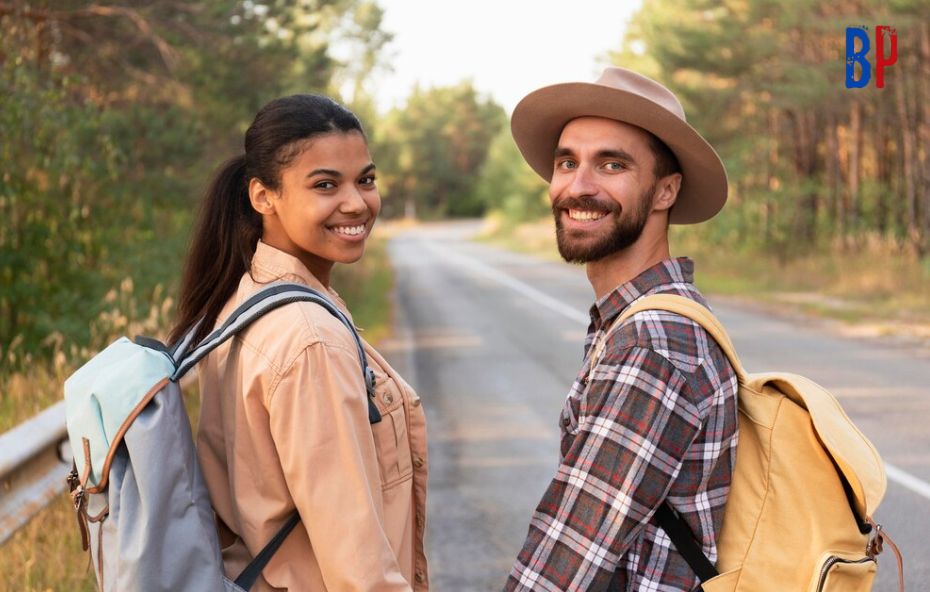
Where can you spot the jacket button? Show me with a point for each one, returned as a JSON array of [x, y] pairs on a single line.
[[388, 398], [418, 462], [416, 402], [420, 577]]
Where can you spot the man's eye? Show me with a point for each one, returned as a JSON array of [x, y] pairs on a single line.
[[566, 164], [614, 166]]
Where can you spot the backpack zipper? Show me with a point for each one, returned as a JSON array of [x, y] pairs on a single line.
[[833, 560]]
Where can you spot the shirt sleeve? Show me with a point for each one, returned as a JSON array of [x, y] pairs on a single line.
[[636, 424], [319, 421]]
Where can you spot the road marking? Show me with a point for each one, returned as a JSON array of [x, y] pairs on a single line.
[[907, 480], [901, 477]]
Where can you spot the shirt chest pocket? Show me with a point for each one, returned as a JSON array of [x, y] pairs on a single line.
[[392, 441]]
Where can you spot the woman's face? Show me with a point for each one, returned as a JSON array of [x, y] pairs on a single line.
[[326, 205]]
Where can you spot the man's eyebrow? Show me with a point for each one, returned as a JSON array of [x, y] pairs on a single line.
[[602, 154], [616, 154]]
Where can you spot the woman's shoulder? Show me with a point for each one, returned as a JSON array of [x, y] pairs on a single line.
[[286, 332]]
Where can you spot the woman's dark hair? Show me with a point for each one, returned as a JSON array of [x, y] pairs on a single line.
[[228, 228]]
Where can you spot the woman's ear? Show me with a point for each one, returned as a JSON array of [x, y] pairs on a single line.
[[261, 197]]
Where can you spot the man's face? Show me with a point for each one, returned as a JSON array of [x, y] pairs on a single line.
[[602, 188]]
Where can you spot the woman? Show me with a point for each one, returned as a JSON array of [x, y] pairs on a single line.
[[284, 421]]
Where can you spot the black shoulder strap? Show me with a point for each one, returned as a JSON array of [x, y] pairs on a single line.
[[683, 539], [251, 572]]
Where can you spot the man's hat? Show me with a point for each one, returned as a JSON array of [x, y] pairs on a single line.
[[629, 97]]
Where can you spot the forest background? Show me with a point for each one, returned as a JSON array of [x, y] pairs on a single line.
[[114, 114]]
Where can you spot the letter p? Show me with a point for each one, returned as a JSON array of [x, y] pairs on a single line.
[[881, 60], [853, 56]]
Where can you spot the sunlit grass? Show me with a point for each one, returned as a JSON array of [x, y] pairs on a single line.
[[46, 554], [875, 282]]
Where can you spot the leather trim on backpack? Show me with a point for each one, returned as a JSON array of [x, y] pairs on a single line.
[[105, 472]]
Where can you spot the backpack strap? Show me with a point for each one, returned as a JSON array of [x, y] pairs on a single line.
[[680, 533], [254, 569], [266, 300]]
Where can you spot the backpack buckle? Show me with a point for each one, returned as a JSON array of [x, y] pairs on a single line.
[[876, 542]]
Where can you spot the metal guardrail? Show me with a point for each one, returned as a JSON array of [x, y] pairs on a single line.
[[35, 458]]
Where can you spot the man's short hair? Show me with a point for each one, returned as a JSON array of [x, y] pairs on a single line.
[[666, 162]]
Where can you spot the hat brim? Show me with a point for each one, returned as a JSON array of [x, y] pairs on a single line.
[[538, 120]]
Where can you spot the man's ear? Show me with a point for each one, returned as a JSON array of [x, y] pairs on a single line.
[[667, 191], [261, 197]]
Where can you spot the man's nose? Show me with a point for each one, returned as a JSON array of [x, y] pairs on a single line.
[[582, 182]]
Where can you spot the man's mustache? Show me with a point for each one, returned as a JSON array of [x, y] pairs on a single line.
[[585, 203]]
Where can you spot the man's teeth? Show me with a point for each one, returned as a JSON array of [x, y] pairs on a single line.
[[585, 215], [349, 230]]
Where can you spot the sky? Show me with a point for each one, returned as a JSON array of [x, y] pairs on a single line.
[[506, 47]]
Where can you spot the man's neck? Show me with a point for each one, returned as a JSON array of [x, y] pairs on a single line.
[[616, 269]]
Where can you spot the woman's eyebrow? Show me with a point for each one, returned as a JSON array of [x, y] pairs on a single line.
[[327, 172], [367, 169]]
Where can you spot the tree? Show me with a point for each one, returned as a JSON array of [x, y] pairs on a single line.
[[432, 150]]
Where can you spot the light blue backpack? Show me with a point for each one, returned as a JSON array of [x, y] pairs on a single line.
[[140, 498]]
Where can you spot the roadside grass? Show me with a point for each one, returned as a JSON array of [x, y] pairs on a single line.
[[875, 285], [46, 555]]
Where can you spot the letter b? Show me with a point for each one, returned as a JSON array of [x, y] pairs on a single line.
[[853, 56]]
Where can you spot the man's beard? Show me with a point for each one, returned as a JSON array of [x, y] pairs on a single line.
[[626, 229]]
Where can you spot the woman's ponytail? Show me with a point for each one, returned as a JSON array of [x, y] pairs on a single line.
[[224, 239]]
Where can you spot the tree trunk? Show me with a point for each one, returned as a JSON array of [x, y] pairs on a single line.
[[855, 154]]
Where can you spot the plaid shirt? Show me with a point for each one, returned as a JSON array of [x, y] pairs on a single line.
[[655, 420]]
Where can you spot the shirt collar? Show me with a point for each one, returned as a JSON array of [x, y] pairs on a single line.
[[270, 264], [669, 271]]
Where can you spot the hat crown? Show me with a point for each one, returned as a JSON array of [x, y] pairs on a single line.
[[637, 84]]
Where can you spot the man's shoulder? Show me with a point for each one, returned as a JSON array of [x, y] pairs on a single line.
[[683, 342]]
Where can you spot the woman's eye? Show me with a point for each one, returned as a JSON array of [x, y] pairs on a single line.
[[325, 185], [369, 180]]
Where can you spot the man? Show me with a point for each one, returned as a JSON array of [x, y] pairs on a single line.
[[653, 419]]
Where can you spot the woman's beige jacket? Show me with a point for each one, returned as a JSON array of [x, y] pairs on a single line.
[[284, 426]]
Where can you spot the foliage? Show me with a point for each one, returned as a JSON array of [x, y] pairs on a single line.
[[112, 118], [811, 163], [431, 150], [508, 185]]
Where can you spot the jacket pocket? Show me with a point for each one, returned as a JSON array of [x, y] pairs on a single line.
[[843, 572], [392, 441]]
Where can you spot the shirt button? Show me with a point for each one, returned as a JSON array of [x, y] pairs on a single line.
[[584, 380], [418, 462], [388, 398], [420, 577], [565, 422]]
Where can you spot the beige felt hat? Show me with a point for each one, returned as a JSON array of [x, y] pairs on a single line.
[[629, 97]]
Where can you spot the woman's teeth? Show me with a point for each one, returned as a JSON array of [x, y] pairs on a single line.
[[349, 230], [585, 215]]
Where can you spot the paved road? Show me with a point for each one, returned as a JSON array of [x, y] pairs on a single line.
[[492, 341]]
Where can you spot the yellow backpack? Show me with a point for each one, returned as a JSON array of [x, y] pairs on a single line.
[[805, 485]]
